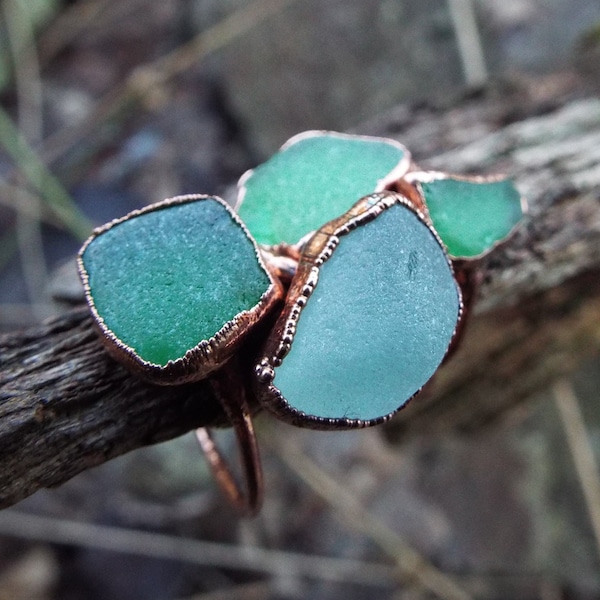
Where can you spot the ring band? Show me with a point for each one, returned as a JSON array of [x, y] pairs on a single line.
[[232, 396]]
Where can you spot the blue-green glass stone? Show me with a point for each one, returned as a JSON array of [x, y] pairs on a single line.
[[472, 216], [167, 279], [377, 325], [313, 180]]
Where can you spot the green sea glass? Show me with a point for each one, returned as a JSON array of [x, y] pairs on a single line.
[[169, 278], [314, 178], [377, 324], [472, 216]]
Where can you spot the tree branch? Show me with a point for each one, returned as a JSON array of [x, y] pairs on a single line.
[[66, 406]]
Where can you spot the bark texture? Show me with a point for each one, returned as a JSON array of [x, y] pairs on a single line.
[[65, 405]]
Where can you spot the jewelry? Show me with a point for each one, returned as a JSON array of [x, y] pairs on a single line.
[[361, 260]]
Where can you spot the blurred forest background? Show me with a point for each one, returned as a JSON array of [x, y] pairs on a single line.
[[108, 105]]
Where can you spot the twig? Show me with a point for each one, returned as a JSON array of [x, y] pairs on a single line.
[[581, 450], [29, 99], [79, 18], [469, 43], [40, 178], [352, 513], [257, 590], [147, 78], [127, 541]]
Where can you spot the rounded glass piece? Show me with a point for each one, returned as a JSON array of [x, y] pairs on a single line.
[[315, 177], [471, 216], [375, 328], [175, 283]]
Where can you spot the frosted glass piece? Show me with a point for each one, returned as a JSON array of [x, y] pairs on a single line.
[[377, 325], [313, 179], [472, 216], [166, 280]]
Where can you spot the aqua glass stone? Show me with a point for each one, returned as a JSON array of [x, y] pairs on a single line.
[[471, 216], [315, 177], [373, 331], [173, 284]]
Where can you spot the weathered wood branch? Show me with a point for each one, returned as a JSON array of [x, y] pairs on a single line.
[[66, 406], [537, 315]]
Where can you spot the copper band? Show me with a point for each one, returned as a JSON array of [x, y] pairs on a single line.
[[233, 399]]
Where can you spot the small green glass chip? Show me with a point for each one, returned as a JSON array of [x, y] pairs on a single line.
[[471, 215]]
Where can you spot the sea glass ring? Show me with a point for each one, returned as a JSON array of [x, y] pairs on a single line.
[[372, 301], [174, 289]]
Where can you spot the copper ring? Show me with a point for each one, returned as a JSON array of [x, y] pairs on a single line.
[[249, 501]]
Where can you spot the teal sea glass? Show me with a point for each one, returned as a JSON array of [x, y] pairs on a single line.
[[470, 215], [314, 178], [173, 282], [374, 330]]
